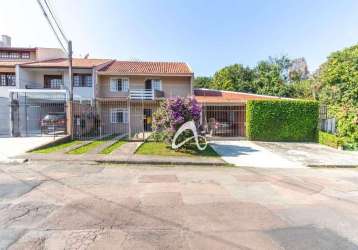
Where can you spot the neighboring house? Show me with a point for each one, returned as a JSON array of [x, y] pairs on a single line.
[[34, 82], [10, 60]]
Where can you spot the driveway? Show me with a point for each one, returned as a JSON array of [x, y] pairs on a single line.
[[13, 146], [283, 154], [71, 206]]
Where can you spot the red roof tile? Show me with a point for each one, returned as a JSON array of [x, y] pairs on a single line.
[[12, 64], [217, 96], [63, 62], [137, 67]]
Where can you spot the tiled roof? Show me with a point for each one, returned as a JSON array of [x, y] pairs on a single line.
[[217, 96], [16, 49], [138, 67], [63, 62], [11, 63]]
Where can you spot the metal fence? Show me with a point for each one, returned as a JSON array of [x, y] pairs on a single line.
[[224, 121], [113, 117], [36, 115], [325, 123]]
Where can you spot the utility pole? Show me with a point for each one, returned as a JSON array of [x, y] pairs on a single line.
[[70, 75], [62, 39], [70, 120]]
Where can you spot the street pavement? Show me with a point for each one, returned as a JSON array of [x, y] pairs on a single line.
[[56, 205]]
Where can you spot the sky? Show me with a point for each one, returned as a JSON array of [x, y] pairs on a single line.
[[207, 34]]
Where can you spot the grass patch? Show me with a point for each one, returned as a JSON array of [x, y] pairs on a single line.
[[160, 148], [55, 148], [85, 148], [88, 147], [112, 147]]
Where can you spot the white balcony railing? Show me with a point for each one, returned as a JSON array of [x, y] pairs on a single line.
[[142, 94]]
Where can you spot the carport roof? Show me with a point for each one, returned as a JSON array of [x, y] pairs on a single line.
[[227, 97]]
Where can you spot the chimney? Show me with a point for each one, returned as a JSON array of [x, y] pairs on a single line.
[[5, 41]]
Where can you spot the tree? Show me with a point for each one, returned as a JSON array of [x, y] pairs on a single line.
[[337, 84], [203, 82], [235, 78], [298, 70], [271, 77], [338, 77]]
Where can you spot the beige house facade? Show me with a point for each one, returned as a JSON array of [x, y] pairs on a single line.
[[128, 93]]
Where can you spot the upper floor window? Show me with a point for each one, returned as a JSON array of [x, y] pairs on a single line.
[[53, 81], [155, 84], [7, 79], [119, 85], [82, 80], [14, 55]]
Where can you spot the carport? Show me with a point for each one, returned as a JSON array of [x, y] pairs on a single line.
[[29, 106], [224, 112]]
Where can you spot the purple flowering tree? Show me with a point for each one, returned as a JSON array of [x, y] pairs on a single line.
[[173, 113]]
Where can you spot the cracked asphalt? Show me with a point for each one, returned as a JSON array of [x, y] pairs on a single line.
[[57, 205]]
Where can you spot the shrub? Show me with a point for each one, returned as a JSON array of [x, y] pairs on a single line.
[[329, 139], [282, 120], [173, 113]]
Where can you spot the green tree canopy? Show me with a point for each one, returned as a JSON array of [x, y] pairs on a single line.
[[235, 78], [203, 82], [338, 78]]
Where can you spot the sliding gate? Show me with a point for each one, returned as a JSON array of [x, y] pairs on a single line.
[[224, 121]]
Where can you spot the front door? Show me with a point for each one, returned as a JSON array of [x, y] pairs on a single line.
[[147, 119]]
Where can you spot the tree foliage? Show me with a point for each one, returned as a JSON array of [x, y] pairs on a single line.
[[235, 78], [203, 82], [337, 86]]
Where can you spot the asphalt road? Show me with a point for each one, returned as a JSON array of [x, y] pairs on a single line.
[[73, 206]]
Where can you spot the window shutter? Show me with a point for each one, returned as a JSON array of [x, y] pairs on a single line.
[[113, 85], [113, 114], [157, 84], [125, 116], [125, 85]]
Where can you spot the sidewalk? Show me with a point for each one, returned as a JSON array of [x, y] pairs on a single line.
[[12, 147]]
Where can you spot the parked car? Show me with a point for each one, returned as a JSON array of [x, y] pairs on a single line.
[[53, 123]]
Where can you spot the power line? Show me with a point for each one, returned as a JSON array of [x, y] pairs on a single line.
[[56, 21], [51, 25]]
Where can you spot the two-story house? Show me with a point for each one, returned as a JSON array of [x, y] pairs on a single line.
[[129, 92]]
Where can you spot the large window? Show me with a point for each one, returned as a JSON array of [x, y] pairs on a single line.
[[119, 85], [119, 115], [155, 84], [82, 80], [14, 55], [7, 79], [53, 81]]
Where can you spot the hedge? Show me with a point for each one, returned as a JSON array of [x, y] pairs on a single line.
[[282, 120], [329, 139]]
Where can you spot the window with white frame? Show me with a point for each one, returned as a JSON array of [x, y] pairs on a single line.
[[82, 80], [157, 84], [119, 115], [119, 85]]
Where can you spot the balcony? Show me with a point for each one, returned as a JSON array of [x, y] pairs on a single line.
[[145, 94]]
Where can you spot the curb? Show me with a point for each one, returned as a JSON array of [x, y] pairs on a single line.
[[133, 162], [332, 166], [160, 163]]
